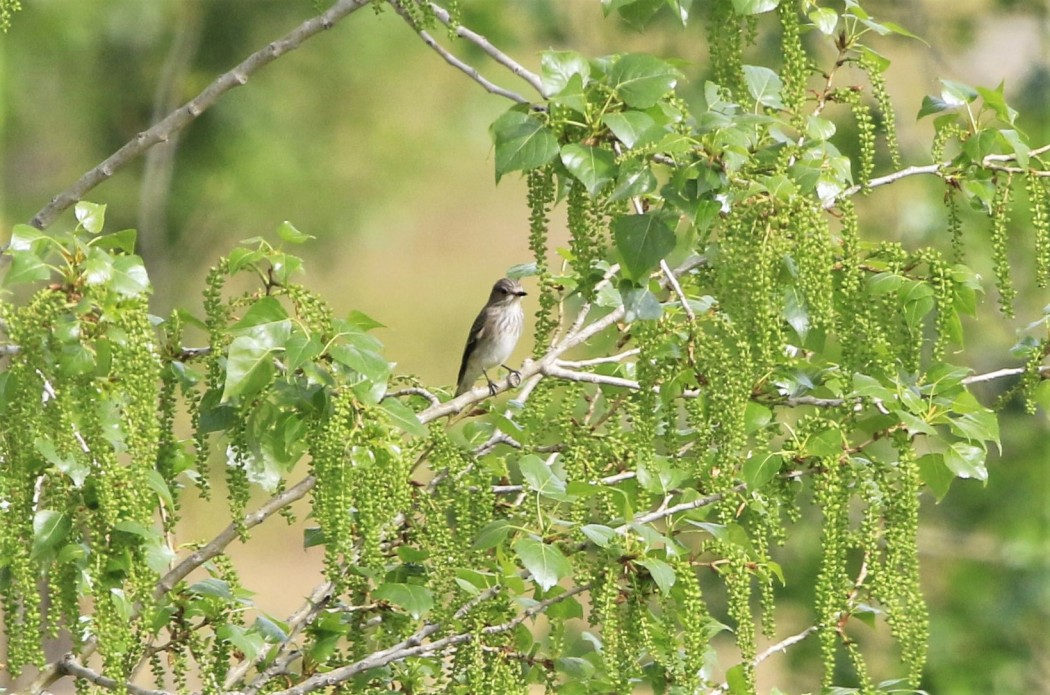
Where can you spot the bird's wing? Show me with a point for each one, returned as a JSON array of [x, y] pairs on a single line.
[[472, 340]]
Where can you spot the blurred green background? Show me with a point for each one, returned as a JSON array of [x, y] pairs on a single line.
[[366, 139]]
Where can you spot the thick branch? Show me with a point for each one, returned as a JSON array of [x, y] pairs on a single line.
[[189, 111]]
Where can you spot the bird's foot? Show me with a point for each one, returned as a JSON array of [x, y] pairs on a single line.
[[493, 388], [513, 376]]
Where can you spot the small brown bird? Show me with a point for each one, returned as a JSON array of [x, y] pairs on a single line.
[[493, 335]]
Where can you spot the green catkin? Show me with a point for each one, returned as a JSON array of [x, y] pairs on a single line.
[[726, 38], [865, 134], [831, 490], [1000, 214], [796, 64], [541, 192], [7, 8], [1033, 375], [875, 71], [814, 259], [939, 276], [941, 139], [951, 201], [906, 608], [1038, 189], [587, 225], [332, 494]]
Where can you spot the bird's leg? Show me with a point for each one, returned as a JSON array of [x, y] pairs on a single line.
[[492, 385], [513, 376]]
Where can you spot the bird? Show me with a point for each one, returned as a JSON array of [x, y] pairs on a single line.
[[493, 335]]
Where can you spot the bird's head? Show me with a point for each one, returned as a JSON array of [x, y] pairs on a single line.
[[506, 291]]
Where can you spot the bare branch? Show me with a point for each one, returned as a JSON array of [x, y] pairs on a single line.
[[583, 364], [469, 70], [189, 111], [414, 391], [417, 646], [1000, 373], [230, 533], [70, 666], [557, 372], [484, 44]]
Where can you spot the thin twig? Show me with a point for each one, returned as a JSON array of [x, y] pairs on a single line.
[[313, 605], [467, 69], [417, 646], [485, 45], [189, 111], [414, 391]]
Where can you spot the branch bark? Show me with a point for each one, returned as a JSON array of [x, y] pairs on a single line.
[[188, 112]]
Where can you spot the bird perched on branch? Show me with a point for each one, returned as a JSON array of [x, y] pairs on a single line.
[[493, 335]]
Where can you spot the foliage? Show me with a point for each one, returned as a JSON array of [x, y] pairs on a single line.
[[763, 365]]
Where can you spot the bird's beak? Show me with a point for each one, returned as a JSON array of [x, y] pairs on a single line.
[[522, 293]]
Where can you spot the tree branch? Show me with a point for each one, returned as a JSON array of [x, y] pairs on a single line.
[[469, 70], [481, 42], [416, 646], [189, 111]]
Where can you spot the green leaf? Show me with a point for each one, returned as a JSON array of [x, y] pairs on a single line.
[[26, 237], [404, 417], [413, 598], [632, 127], [598, 534], [932, 105], [522, 142], [966, 461], [937, 476], [249, 367], [641, 80], [98, 267], [746, 7], [642, 240], [994, 100], [825, 19], [367, 363], [360, 319], [50, 530], [764, 85], [300, 349], [272, 630], [26, 267], [639, 303], [123, 241], [492, 534], [261, 317], [957, 93], [213, 588], [124, 609], [539, 476], [825, 444], [736, 680], [249, 643], [977, 426], [635, 178], [287, 232], [759, 469], [91, 216], [129, 276], [661, 572], [1017, 145], [546, 563], [557, 68], [592, 166], [76, 470]]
